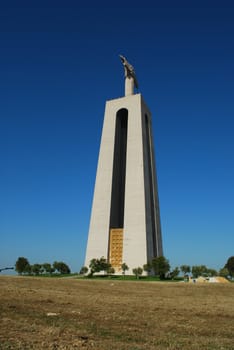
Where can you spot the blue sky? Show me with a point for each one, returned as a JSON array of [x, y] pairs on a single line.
[[58, 65]]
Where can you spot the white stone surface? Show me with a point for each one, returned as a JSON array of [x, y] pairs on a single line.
[[136, 222]]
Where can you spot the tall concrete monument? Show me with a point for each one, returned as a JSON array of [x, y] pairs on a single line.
[[125, 219]]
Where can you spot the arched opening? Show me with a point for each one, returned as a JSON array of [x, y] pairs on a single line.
[[119, 170]]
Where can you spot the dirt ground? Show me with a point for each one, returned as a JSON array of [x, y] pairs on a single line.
[[53, 313]]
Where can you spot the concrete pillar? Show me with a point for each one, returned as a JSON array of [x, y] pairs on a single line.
[[141, 231], [129, 86]]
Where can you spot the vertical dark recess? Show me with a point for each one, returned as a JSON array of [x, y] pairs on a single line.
[[119, 170], [151, 186]]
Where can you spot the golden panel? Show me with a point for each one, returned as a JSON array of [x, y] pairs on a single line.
[[116, 248]]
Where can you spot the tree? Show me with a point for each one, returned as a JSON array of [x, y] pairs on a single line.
[[84, 270], [185, 269], [196, 271], [174, 273], [160, 266], [61, 267], [199, 270], [94, 266], [104, 265], [204, 270], [124, 268], [36, 269], [64, 268], [212, 272], [56, 266], [110, 270], [137, 272], [224, 272], [28, 269], [21, 265], [230, 266], [48, 268], [147, 267], [98, 265]]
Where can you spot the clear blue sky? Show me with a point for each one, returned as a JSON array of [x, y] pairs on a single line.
[[59, 64]]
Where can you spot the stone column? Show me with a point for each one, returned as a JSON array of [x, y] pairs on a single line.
[[129, 86]]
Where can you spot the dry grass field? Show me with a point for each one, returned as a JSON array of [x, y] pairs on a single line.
[[109, 315]]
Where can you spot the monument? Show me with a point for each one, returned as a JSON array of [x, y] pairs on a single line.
[[125, 219]]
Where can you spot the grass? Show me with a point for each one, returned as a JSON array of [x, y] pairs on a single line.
[[113, 314], [131, 278], [53, 275]]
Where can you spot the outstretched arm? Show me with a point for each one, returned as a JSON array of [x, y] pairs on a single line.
[[129, 70]]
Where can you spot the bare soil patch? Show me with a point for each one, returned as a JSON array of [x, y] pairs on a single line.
[[53, 313]]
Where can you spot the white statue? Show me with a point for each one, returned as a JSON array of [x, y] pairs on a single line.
[[130, 77]]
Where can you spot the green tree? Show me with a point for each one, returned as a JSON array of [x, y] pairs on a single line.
[[61, 267], [160, 266], [56, 266], [22, 265], [174, 273], [147, 267], [199, 270], [84, 270], [196, 271], [124, 268], [230, 266], [185, 269], [212, 272], [28, 269], [204, 270], [110, 271], [94, 266], [224, 272], [104, 265], [36, 269], [64, 268], [137, 271], [48, 268], [98, 265]]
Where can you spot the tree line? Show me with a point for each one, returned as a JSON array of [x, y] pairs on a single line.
[[160, 267], [22, 266]]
